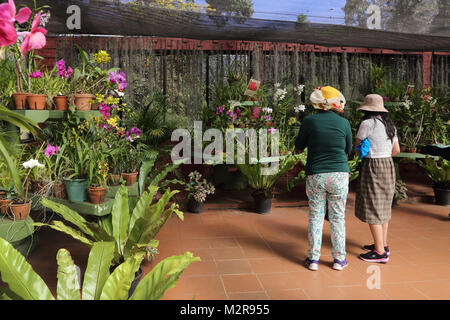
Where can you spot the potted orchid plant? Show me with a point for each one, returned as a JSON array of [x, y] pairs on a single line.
[[62, 87], [22, 41]]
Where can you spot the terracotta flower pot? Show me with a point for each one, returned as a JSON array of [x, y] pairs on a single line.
[[20, 211], [61, 103], [20, 100], [402, 148], [115, 178], [412, 150], [81, 101], [130, 178], [94, 106], [4, 204], [59, 190], [97, 194], [36, 101]]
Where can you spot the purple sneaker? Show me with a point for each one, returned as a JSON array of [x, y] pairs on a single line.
[[312, 264], [339, 265]]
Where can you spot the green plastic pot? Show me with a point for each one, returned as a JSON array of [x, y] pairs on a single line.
[[76, 189]]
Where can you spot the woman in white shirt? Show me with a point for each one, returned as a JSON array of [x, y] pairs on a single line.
[[377, 176]]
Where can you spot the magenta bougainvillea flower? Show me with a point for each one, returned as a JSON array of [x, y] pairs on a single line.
[[34, 39], [51, 150], [8, 33]]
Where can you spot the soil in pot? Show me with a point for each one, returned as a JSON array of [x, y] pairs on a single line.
[[20, 210], [20, 100], [130, 178], [61, 103], [82, 101], [36, 101], [76, 190], [97, 194], [195, 206]]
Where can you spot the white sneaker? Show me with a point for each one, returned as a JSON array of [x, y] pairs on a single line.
[[312, 264], [339, 265]]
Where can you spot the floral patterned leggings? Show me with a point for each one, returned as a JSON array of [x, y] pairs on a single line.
[[323, 188]]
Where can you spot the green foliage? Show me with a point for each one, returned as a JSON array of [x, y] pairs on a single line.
[[437, 170], [400, 191], [99, 284], [263, 184], [131, 233], [6, 152]]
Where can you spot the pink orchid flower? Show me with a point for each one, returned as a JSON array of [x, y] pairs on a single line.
[[35, 39], [8, 13], [8, 33]]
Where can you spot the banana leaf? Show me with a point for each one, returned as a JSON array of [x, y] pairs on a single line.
[[162, 277], [97, 270], [68, 287], [20, 276]]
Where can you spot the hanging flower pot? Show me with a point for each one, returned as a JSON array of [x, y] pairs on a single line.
[[36, 101], [20, 100], [130, 178], [195, 206], [97, 194], [4, 205], [61, 103], [59, 190], [20, 210], [82, 101]]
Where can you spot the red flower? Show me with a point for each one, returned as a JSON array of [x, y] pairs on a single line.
[[253, 86]]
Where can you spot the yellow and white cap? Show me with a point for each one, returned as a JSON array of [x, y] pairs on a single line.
[[327, 98]]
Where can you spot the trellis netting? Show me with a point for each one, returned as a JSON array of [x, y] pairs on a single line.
[[185, 48]]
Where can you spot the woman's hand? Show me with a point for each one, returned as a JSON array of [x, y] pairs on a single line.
[[395, 148]]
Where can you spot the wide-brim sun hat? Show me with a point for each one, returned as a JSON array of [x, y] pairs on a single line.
[[374, 103], [327, 98]]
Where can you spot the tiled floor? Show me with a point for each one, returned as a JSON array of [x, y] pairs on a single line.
[[245, 255], [251, 256]]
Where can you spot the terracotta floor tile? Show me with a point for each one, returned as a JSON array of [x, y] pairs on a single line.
[[248, 296], [227, 253], [323, 293], [293, 294], [201, 268], [204, 254], [207, 296], [194, 243], [223, 242], [236, 266], [435, 290], [402, 291], [204, 285], [307, 278], [241, 283], [361, 293], [267, 265], [279, 281]]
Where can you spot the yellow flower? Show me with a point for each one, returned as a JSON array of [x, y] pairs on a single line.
[[101, 57], [112, 121], [292, 120]]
